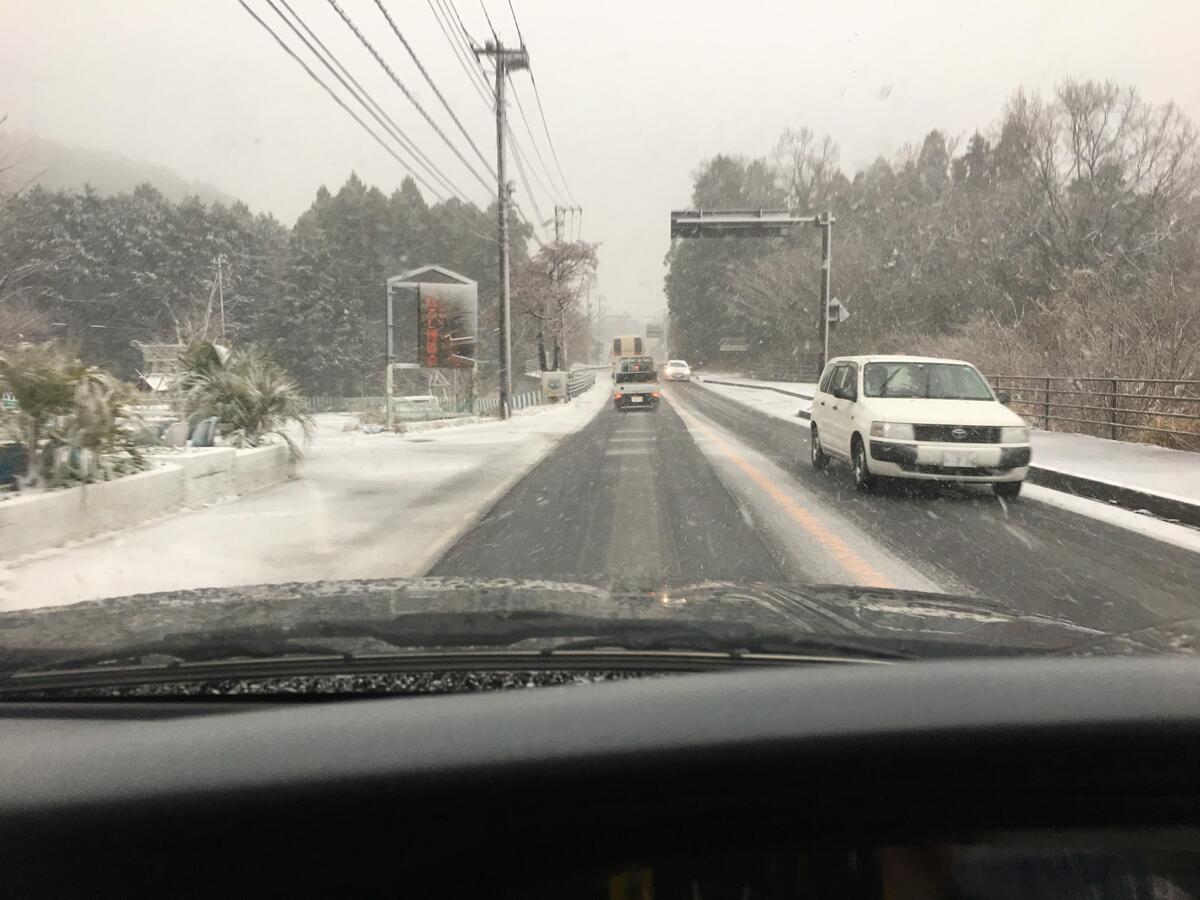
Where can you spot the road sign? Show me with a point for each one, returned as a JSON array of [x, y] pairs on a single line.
[[837, 312], [734, 345], [654, 330]]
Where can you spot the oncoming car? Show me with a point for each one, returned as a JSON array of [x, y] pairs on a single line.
[[676, 370], [917, 417]]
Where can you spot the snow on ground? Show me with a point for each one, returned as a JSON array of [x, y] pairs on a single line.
[[1141, 467], [1169, 532], [364, 506], [772, 403]]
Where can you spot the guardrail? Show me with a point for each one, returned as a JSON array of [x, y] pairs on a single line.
[[789, 373], [579, 380], [487, 405], [1116, 408]]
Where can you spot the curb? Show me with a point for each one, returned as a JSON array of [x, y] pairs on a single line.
[[1164, 507], [758, 387], [800, 414]]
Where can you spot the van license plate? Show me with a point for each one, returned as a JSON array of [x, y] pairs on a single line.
[[960, 460], [635, 399]]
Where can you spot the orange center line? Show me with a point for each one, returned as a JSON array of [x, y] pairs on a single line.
[[858, 568]]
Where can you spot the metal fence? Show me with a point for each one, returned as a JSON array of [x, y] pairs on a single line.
[[1150, 410], [345, 404]]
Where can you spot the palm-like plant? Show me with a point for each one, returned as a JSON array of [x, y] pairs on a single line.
[[43, 380], [251, 397], [99, 422]]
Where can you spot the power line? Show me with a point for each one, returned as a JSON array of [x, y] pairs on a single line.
[[429, 80], [524, 177], [338, 100], [554, 192], [491, 27], [377, 113], [400, 84], [541, 110], [511, 9], [471, 73], [458, 38]]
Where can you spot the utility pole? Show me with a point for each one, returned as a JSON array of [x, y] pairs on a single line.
[[825, 223], [560, 218], [221, 294], [505, 60]]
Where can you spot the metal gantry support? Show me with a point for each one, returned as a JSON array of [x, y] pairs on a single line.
[[693, 223]]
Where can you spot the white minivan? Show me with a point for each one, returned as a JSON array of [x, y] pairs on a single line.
[[917, 417]]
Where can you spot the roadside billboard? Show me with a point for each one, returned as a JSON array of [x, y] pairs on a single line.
[[432, 319]]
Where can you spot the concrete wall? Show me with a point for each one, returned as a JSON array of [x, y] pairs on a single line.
[[260, 467], [34, 522], [208, 474], [38, 521]]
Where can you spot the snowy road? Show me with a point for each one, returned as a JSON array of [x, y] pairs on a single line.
[[706, 488], [709, 489]]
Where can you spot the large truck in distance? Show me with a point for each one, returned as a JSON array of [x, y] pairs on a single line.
[[626, 347]]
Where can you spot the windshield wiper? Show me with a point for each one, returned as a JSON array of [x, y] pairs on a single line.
[[426, 634], [735, 643]]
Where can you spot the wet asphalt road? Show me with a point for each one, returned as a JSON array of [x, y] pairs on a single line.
[[631, 499]]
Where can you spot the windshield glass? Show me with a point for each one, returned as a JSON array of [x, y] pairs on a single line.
[[438, 327], [931, 381]]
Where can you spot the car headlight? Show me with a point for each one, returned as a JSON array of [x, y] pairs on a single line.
[[896, 431], [1014, 434]]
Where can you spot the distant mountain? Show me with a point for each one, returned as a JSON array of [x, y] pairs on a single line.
[[62, 166]]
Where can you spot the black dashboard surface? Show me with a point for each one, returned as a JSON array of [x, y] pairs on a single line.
[[509, 793]]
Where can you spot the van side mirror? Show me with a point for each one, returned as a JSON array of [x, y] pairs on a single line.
[[1004, 397]]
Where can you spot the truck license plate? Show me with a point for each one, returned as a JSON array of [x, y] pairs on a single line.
[[959, 460], [635, 399]]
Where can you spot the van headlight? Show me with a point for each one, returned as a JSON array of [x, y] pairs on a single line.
[[1014, 434], [895, 431]]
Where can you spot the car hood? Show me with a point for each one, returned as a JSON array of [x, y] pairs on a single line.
[[921, 411], [432, 613]]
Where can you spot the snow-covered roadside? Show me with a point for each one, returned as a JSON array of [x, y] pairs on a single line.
[[364, 506], [755, 396]]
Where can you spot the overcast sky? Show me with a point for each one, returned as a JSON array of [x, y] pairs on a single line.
[[637, 94]]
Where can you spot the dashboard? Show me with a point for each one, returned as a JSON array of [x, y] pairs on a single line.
[[999, 778]]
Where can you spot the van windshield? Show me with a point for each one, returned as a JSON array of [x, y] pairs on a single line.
[[931, 381]]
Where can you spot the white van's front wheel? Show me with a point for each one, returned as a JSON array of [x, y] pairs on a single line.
[[818, 455]]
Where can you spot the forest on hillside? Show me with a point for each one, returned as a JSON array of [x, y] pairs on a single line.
[[100, 272]]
